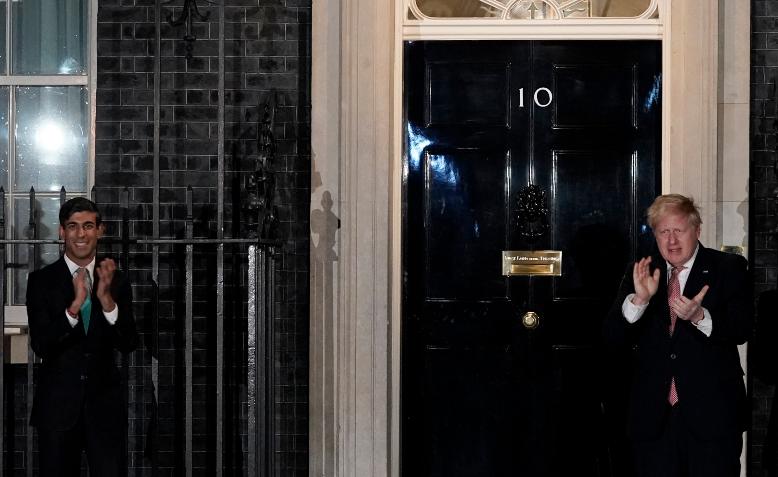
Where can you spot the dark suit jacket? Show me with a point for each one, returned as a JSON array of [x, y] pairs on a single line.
[[708, 375], [78, 370]]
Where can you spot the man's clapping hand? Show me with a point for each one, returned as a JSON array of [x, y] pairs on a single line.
[[645, 282], [104, 271]]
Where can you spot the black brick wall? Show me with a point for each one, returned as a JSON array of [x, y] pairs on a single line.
[[764, 218], [268, 56]]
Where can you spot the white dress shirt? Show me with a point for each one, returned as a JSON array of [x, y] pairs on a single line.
[[633, 312], [110, 316]]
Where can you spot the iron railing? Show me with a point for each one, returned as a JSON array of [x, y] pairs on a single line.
[[260, 298], [259, 217]]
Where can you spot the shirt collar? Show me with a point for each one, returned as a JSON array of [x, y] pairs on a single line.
[[688, 265], [73, 266]]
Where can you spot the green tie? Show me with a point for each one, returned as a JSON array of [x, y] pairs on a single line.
[[86, 307]]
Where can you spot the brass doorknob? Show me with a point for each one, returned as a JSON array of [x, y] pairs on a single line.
[[530, 320]]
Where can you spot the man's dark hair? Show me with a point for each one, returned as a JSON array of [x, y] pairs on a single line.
[[75, 205]]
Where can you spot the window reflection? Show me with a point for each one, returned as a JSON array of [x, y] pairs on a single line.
[[4, 137], [47, 211], [2, 37], [51, 138], [49, 37], [457, 8], [619, 8]]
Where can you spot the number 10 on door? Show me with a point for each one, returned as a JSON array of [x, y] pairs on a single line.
[[542, 97]]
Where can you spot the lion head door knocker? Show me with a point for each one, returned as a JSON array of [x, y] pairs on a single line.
[[532, 223]]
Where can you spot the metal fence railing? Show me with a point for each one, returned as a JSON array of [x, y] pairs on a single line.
[[257, 287]]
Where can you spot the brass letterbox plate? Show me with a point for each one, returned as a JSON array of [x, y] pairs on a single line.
[[524, 263]]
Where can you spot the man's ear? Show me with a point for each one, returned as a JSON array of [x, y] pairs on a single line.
[[61, 233], [100, 230]]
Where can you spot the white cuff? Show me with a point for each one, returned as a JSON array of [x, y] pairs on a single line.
[[112, 316], [631, 311], [73, 321], [705, 324]]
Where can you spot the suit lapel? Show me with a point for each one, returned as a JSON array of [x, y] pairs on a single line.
[[67, 284], [699, 275], [95, 302], [661, 293], [67, 279], [95, 280]]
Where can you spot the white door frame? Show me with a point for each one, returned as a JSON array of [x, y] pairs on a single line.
[[356, 193]]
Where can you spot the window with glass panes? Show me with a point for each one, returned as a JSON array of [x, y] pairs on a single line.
[[46, 115]]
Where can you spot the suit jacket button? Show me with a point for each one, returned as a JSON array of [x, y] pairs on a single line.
[[672, 355]]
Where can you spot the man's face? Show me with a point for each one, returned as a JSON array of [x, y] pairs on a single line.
[[676, 239], [80, 234]]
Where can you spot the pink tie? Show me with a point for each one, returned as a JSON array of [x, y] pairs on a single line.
[[673, 292]]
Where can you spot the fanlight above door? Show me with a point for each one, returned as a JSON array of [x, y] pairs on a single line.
[[531, 9]]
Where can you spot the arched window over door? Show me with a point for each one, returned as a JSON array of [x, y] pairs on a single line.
[[531, 9]]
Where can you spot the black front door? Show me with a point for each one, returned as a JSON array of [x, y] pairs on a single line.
[[482, 394]]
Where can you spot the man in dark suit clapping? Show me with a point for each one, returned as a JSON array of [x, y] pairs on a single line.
[[684, 311], [80, 312]]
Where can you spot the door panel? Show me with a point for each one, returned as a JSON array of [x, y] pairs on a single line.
[[465, 446], [588, 217], [576, 106], [481, 88], [465, 219], [481, 394]]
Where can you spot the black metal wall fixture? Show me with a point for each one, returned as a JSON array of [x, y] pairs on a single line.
[[260, 216], [256, 247], [189, 13]]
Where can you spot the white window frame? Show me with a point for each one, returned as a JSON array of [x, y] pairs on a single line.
[[16, 315]]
